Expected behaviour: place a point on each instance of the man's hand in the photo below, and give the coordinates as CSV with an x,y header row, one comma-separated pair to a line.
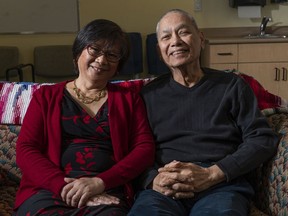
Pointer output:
x,y
78,191
181,180
163,183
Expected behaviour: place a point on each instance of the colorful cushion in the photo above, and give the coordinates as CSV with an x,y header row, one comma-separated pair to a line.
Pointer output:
x,y
14,100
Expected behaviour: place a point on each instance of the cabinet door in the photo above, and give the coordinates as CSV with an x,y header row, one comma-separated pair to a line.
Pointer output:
x,y
283,85
221,57
269,75
263,52
224,66
224,53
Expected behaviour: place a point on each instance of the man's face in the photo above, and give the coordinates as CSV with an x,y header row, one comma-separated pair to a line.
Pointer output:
x,y
179,40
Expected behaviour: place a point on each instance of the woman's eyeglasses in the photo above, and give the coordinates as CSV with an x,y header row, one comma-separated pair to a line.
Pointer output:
x,y
97,51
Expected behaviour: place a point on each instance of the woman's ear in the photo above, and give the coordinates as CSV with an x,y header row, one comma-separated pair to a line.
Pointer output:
x,y
75,63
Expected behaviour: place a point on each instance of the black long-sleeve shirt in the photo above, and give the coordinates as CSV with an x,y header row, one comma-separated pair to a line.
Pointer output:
x,y
217,121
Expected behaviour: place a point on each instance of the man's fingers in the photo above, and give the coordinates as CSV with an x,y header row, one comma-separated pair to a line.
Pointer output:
x,y
164,190
183,187
183,195
169,169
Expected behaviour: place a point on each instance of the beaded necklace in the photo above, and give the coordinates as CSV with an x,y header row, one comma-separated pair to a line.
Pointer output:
x,y
88,100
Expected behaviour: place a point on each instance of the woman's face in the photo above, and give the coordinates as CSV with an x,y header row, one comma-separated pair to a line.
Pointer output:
x,y
97,62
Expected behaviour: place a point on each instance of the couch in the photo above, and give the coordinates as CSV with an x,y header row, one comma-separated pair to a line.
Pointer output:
x,y
270,180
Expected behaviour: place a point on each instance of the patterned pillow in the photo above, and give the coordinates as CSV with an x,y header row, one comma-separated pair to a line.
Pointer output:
x,y
8,138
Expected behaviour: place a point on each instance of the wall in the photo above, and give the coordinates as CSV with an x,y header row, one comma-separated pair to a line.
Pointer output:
x,y
51,16
141,16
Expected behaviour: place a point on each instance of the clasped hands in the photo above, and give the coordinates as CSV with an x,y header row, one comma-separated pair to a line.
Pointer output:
x,y
86,191
181,180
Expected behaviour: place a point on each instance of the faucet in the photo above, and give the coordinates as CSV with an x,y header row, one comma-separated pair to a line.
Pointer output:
x,y
263,25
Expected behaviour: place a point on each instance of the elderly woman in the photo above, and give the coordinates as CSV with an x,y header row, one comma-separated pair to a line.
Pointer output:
x,y
83,141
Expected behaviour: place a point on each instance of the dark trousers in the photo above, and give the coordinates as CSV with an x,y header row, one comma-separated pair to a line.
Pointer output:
x,y
231,199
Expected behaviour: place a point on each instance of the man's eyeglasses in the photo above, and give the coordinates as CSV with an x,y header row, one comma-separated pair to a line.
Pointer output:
x,y
110,56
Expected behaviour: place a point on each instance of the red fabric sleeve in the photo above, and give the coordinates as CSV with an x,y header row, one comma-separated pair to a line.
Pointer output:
x,y
265,98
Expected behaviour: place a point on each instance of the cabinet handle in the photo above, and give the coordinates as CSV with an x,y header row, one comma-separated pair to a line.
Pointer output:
x,y
284,78
225,54
277,74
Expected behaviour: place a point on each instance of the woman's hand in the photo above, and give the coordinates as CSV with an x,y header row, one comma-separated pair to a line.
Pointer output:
x,y
103,199
78,191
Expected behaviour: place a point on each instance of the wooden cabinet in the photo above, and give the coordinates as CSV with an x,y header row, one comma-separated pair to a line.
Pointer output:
x,y
268,74
266,62
220,56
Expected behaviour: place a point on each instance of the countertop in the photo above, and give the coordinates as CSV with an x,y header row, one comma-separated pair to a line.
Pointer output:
x,y
237,35
241,40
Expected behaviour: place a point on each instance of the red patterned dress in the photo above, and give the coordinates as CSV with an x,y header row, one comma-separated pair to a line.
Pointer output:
x,y
86,151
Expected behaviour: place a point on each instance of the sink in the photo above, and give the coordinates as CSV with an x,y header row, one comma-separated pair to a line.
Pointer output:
x,y
265,36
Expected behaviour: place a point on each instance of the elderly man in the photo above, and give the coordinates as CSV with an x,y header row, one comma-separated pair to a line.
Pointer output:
x,y
208,129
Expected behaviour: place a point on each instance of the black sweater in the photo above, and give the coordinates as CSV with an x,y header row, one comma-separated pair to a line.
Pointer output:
x,y
217,121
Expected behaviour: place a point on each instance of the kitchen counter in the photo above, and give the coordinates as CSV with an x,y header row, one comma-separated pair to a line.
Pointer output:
x,y
239,40
237,35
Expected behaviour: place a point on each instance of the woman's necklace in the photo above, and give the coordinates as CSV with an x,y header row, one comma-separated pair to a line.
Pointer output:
x,y
88,100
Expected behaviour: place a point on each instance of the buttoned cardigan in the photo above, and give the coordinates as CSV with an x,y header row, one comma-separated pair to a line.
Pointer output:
x,y
38,146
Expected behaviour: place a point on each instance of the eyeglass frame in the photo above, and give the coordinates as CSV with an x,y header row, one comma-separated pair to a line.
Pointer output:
x,y
97,51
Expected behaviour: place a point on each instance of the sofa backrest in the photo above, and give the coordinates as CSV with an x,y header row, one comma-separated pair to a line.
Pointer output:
x,y
15,97
14,100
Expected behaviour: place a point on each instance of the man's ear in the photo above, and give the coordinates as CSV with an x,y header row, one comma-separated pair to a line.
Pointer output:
x,y
159,52
202,37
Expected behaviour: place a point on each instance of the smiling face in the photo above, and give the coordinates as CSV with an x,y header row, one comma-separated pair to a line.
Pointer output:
x,y
98,67
100,49
179,40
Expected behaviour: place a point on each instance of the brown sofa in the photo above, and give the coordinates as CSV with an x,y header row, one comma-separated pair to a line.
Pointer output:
x,y
270,180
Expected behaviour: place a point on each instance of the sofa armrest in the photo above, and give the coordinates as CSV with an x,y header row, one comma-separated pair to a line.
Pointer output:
x,y
8,189
8,138
254,211
272,186
3,178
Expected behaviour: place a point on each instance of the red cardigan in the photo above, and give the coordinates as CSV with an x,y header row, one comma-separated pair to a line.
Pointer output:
x,y
38,146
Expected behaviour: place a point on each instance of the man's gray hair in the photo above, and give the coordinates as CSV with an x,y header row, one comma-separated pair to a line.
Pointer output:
x,y
180,12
